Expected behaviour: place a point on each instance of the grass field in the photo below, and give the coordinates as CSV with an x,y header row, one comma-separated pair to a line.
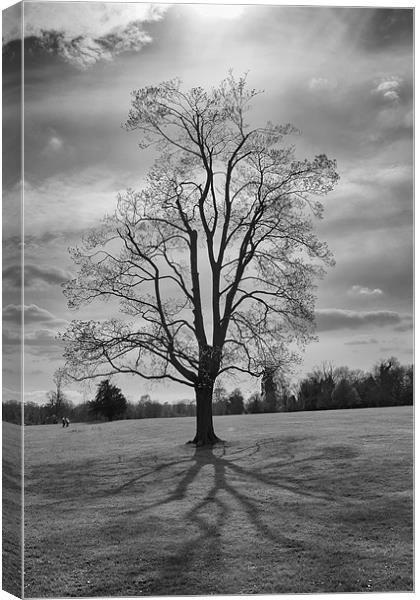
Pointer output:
x,y
295,502
12,508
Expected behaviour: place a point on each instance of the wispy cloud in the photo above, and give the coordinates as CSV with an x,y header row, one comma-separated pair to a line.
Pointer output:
x,y
381,198
80,200
36,342
36,396
11,394
322,84
41,338
34,275
361,342
405,325
32,314
40,396
54,144
39,334
359,290
335,319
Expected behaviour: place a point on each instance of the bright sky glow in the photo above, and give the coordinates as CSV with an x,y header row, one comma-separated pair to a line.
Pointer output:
x,y
218,11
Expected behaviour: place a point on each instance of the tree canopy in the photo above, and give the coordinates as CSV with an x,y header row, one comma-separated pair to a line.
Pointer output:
x,y
109,401
214,261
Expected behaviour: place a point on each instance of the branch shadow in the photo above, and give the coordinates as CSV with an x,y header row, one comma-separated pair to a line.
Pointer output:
x,y
138,478
214,510
176,522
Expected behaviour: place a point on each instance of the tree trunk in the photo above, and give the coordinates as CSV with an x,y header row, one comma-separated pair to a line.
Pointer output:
x,y
205,435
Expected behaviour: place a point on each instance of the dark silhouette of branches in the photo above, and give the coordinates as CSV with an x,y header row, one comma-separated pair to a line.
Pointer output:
x,y
213,263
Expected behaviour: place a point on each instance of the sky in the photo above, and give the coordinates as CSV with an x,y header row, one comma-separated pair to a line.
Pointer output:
x,y
343,76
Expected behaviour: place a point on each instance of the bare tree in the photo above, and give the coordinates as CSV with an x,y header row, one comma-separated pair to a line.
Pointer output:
x,y
56,399
214,261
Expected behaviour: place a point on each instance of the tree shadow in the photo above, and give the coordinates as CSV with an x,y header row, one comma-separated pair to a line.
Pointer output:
x,y
138,478
214,509
185,516
216,457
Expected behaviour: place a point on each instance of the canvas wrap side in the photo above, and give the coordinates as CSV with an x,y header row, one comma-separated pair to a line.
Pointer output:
x,y
12,248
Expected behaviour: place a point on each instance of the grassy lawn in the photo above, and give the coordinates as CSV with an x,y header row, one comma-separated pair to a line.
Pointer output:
x,y
12,508
296,502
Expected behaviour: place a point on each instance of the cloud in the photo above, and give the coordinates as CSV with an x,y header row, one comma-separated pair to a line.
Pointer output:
x,y
83,34
361,342
12,19
387,86
62,237
34,275
397,350
366,200
320,84
40,343
54,144
358,290
32,314
12,208
11,394
79,200
405,325
36,396
389,89
41,337
386,28
90,19
83,52
335,319
39,333
392,96
40,396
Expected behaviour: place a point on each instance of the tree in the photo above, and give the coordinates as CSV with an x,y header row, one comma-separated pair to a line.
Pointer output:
x,y
214,261
254,404
12,411
219,399
235,403
407,397
315,391
272,389
345,395
109,401
389,378
324,378
56,400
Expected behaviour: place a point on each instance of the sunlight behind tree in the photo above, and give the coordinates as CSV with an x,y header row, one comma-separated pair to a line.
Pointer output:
x,y
220,194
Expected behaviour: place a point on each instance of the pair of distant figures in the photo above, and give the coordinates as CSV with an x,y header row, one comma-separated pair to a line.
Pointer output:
x,y
65,421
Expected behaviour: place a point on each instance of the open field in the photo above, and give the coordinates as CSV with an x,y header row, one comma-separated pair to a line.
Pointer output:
x,y
12,508
293,502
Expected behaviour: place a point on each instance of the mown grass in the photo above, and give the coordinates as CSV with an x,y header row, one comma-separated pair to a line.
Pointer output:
x,y
297,502
12,508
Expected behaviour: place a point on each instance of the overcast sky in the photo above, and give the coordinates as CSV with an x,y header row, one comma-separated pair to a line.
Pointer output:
x,y
344,76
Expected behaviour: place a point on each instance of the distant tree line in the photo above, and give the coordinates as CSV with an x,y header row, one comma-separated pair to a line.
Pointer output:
x,y
389,384
325,388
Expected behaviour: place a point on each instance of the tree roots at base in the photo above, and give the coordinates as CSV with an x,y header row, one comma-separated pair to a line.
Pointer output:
x,y
207,440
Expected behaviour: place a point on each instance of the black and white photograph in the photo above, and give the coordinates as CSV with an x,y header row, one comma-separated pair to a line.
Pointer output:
x,y
207,299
